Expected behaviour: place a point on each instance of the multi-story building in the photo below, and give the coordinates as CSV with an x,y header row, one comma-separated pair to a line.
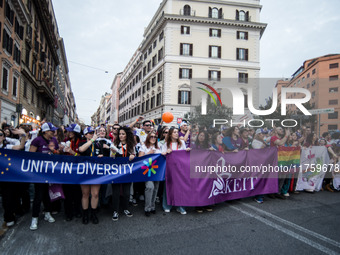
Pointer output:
x,y
104,109
130,90
321,77
211,40
61,80
115,98
70,105
39,61
13,19
94,120
107,109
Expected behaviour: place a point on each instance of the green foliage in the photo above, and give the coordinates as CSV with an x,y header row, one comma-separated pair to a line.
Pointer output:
x,y
213,112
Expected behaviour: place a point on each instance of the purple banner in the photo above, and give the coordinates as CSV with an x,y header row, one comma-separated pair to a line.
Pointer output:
x,y
211,188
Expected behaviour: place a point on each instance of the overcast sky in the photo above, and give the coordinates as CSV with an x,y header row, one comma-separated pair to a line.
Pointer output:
x,y
104,34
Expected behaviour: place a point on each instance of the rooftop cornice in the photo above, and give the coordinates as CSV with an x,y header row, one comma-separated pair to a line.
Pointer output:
x,y
22,11
203,20
228,3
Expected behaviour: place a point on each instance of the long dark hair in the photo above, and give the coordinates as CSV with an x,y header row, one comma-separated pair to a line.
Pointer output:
x,y
214,138
77,136
168,140
205,144
161,134
309,140
147,141
130,140
230,131
60,135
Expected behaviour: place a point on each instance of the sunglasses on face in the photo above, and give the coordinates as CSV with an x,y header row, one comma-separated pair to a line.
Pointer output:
x,y
147,125
1,134
166,132
115,128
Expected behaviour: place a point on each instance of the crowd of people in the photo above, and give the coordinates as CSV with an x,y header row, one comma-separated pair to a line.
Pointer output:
x,y
140,138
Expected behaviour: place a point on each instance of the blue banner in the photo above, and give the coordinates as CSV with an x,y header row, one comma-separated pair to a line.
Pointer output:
x,y
33,167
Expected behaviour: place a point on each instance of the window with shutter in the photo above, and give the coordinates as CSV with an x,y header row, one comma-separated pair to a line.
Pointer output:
x,y
10,46
185,30
214,13
214,75
187,10
4,78
242,77
242,16
215,51
214,32
186,49
4,40
14,86
184,97
220,15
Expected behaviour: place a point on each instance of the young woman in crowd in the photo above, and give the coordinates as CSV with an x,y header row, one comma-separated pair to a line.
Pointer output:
x,y
232,140
103,145
125,147
244,135
293,141
310,141
10,199
72,192
202,141
150,146
44,143
217,143
87,148
162,135
258,143
137,188
173,143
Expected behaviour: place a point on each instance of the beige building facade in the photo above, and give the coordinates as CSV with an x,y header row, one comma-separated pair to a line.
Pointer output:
x,y
115,98
321,77
190,40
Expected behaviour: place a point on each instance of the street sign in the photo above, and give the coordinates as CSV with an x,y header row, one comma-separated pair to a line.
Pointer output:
x,y
303,117
319,111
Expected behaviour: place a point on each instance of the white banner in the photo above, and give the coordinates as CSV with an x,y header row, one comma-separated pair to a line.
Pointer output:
x,y
336,176
314,163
